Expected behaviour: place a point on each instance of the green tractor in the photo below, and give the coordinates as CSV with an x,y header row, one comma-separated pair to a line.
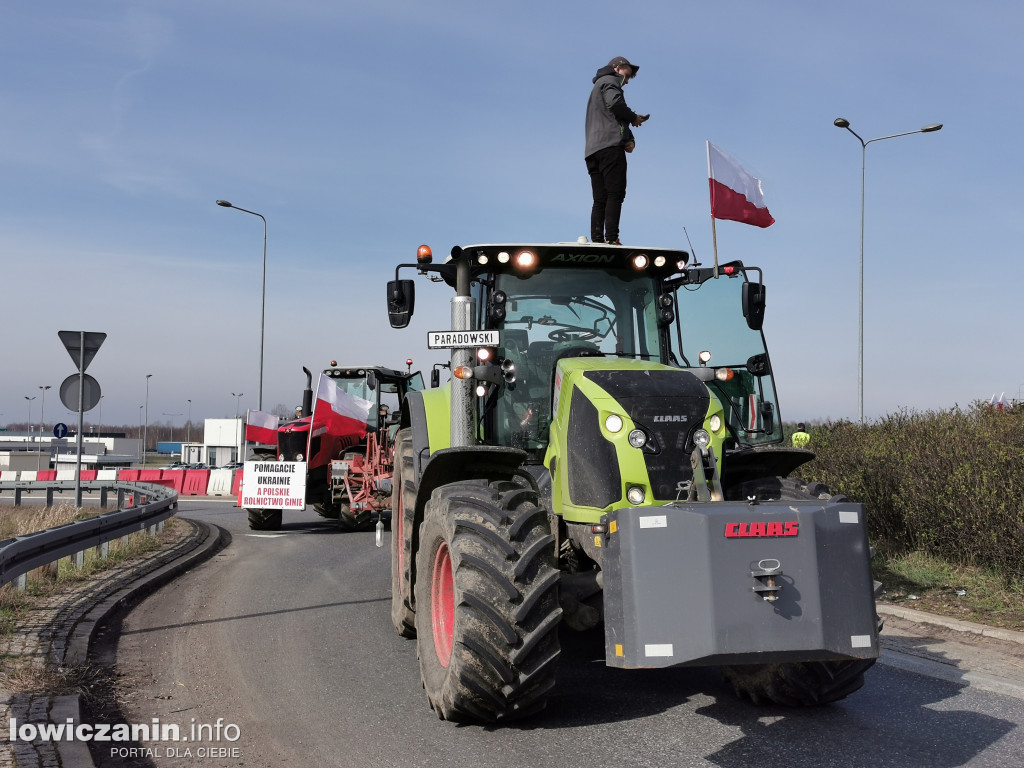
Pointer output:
x,y
609,451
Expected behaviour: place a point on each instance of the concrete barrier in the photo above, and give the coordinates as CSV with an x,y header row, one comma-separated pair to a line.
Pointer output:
x,y
128,475
65,474
176,477
106,474
28,475
45,475
8,476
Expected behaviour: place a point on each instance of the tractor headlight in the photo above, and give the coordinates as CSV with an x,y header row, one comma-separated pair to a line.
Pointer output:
x,y
299,457
715,422
613,423
701,438
635,495
637,438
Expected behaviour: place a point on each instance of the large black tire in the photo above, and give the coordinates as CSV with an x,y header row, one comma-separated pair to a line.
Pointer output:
x,y
264,519
326,510
801,684
487,611
403,507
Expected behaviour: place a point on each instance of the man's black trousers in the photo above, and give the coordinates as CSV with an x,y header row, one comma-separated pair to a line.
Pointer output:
x,y
607,169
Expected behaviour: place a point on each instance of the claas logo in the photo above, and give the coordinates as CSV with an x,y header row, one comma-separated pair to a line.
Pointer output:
x,y
761,530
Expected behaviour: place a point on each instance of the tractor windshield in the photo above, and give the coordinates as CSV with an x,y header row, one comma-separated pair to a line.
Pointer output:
x,y
711,319
558,313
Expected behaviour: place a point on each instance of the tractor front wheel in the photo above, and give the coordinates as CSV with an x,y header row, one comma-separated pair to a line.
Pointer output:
x,y
264,519
487,609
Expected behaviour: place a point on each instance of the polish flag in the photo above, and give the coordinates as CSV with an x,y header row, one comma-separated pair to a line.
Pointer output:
x,y
735,194
336,412
261,427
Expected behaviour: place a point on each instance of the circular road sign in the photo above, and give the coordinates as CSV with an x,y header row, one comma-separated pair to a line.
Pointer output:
x,y
60,430
69,392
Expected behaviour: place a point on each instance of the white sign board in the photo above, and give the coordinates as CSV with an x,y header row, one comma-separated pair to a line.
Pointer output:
x,y
462,339
274,485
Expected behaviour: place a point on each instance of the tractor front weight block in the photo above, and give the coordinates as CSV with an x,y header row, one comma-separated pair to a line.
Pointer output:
x,y
737,583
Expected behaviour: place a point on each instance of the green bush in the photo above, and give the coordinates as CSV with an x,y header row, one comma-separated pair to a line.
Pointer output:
x,y
949,483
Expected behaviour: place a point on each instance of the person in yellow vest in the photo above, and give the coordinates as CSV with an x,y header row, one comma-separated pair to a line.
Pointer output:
x,y
800,437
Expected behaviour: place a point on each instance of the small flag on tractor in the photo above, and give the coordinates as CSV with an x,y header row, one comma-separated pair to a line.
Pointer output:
x,y
261,428
735,194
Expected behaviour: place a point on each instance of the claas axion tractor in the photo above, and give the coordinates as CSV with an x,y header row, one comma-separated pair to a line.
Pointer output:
x,y
349,469
608,451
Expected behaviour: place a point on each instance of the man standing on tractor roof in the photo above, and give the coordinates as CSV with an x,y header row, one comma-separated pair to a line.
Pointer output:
x,y
608,140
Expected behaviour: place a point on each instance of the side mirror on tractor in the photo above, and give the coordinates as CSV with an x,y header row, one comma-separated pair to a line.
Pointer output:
x,y
435,379
753,305
401,300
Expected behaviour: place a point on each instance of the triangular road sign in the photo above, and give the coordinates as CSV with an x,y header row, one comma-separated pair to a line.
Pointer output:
x,y
72,341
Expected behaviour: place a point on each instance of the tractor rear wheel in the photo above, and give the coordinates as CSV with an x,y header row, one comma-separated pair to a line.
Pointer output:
x,y
403,507
487,611
352,521
801,684
264,519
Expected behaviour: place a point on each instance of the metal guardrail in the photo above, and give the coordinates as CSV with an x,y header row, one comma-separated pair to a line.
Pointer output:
x,y
21,554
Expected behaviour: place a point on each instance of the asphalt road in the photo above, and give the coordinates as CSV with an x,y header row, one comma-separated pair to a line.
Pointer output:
x,y
288,637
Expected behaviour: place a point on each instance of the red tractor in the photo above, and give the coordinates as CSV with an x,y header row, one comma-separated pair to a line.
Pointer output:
x,y
348,468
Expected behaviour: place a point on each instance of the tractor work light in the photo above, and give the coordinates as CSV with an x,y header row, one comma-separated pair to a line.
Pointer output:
x,y
613,423
715,422
640,261
635,495
508,371
424,255
481,258
701,438
704,357
659,261
503,257
463,372
483,354
481,390
526,260
637,438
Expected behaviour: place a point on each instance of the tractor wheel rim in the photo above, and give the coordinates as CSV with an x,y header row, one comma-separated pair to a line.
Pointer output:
x,y
442,602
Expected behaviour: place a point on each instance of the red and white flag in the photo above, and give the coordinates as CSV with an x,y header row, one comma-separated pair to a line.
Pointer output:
x,y
261,427
337,412
735,194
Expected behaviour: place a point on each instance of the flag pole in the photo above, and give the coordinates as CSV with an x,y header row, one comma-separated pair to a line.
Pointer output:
x,y
711,186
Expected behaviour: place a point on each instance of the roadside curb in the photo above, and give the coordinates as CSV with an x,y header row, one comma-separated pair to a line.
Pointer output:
x,y
967,627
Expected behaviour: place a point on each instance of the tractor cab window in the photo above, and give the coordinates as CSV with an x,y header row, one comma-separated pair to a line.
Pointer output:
x,y
559,313
711,320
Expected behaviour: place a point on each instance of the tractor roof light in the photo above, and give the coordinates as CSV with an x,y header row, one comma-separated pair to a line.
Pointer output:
x,y
659,261
424,255
526,260
481,258
464,372
640,261
503,257
704,356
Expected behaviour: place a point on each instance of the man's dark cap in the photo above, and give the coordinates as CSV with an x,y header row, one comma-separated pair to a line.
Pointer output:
x,y
800,426
619,60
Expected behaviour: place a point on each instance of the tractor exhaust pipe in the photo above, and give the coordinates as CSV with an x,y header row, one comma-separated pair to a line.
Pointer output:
x,y
307,394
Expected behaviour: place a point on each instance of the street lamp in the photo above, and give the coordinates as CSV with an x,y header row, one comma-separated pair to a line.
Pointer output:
x,y
28,424
188,434
140,433
842,122
238,399
145,434
42,421
263,294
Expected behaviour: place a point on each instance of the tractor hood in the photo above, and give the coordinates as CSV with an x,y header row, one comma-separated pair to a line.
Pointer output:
x,y
620,424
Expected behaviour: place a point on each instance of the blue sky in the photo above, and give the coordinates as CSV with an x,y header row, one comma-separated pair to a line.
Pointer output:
x,y
360,130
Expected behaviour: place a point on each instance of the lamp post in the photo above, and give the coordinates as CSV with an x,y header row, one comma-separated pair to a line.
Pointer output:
x,y
28,424
263,293
842,122
99,427
188,428
140,433
145,433
42,421
238,400
172,423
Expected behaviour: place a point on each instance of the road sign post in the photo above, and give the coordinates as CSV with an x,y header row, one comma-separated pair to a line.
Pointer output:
x,y
82,346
